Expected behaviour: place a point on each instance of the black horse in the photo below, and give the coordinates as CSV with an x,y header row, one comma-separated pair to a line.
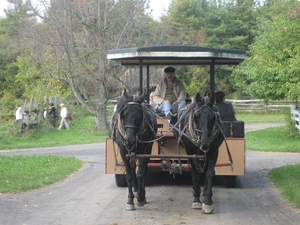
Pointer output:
x,y
134,128
199,132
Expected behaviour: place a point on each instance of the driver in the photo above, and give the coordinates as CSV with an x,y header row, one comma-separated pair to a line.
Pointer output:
x,y
169,91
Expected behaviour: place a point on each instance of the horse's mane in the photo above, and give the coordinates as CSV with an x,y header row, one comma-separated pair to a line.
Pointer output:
x,y
120,104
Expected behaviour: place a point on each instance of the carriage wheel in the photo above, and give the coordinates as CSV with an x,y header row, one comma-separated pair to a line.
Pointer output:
x,y
120,180
230,181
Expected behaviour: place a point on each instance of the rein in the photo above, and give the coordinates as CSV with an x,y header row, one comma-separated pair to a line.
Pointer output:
x,y
227,148
170,130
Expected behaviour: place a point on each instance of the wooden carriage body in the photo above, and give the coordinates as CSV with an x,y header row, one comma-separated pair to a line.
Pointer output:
x,y
166,155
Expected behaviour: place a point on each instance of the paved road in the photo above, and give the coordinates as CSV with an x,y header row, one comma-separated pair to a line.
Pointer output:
x,y
90,197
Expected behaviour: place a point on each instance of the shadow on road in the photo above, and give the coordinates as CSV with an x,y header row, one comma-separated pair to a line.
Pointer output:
x,y
164,178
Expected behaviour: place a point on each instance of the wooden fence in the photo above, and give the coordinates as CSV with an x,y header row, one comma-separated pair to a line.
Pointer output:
x,y
295,116
257,105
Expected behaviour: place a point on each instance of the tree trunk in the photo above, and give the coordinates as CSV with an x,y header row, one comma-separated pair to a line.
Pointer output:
x,y
102,118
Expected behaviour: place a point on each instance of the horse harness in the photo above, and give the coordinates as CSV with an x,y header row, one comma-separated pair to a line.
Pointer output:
x,y
192,132
120,127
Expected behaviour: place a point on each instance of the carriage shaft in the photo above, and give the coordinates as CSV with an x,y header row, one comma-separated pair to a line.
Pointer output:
x,y
161,156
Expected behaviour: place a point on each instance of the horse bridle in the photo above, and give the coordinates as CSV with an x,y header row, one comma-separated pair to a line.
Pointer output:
x,y
121,127
193,130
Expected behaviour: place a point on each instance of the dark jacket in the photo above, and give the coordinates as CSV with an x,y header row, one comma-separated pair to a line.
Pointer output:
x,y
52,112
226,111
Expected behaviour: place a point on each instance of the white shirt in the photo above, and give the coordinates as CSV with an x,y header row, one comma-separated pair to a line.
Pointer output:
x,y
19,113
63,112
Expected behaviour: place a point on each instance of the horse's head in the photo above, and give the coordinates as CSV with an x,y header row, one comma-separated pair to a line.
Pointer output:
x,y
130,118
204,122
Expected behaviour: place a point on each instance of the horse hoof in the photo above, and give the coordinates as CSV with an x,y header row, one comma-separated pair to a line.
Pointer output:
x,y
140,204
207,209
130,207
196,205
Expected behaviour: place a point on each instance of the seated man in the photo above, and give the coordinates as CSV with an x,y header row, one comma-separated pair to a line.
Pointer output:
x,y
225,109
169,91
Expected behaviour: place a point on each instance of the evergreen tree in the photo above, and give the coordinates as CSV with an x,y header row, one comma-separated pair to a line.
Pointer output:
x,y
10,42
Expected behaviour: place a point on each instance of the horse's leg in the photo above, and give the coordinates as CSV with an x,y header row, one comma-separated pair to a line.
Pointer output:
x,y
135,184
196,188
207,206
129,178
141,176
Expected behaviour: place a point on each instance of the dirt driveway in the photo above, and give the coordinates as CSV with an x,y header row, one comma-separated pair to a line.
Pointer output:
x,y
90,197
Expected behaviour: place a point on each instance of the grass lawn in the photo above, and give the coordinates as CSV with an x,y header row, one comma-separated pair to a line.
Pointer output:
x,y
261,118
83,131
21,173
287,180
274,139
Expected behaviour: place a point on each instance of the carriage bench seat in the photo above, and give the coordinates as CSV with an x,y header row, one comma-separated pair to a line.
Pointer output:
x,y
234,129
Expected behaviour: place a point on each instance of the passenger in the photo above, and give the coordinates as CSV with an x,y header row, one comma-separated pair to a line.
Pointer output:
x,y
207,93
168,92
151,102
225,109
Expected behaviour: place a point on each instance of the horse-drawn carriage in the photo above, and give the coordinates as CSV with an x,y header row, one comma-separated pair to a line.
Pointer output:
x,y
166,145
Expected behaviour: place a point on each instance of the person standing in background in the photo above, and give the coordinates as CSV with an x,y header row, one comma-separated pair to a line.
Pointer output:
x,y
19,113
63,115
52,114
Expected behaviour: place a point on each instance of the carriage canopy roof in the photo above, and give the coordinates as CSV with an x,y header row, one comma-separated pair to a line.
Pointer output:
x,y
176,55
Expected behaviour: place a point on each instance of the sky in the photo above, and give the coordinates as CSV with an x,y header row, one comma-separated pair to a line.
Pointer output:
x,y
156,5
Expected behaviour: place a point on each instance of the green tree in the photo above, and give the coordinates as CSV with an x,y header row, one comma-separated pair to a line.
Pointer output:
x,y
242,24
272,70
215,26
36,81
218,24
70,44
10,49
187,18
8,54
198,81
